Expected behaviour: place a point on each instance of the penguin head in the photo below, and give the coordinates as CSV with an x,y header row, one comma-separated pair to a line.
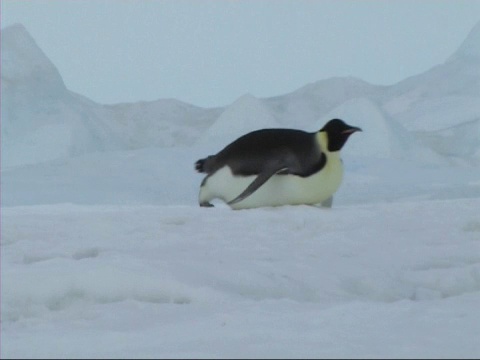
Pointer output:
x,y
337,133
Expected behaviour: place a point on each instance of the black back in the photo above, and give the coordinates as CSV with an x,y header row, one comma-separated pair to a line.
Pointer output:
x,y
294,151
280,151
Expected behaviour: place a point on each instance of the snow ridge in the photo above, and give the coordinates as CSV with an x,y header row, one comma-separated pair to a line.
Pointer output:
x,y
470,48
44,121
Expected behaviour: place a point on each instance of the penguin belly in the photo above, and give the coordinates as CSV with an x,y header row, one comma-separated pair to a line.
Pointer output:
x,y
277,191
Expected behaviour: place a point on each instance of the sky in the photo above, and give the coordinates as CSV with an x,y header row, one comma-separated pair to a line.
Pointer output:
x,y
209,53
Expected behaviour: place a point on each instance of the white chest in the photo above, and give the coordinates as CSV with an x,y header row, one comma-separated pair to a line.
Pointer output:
x,y
279,189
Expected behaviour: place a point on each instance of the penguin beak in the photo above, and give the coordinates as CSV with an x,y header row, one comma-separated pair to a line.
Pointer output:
x,y
351,130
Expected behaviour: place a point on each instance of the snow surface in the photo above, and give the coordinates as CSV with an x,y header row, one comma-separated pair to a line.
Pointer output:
x,y
105,252
374,280
109,255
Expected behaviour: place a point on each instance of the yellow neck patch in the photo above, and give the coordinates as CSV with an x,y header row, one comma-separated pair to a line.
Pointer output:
x,y
322,140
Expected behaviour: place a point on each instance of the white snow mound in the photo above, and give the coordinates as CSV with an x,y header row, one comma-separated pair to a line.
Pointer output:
x,y
246,114
382,137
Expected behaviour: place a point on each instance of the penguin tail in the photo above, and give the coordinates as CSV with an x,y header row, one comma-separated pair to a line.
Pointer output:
x,y
200,165
205,165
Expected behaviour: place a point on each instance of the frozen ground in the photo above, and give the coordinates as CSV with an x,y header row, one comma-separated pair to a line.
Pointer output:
x,y
393,270
105,252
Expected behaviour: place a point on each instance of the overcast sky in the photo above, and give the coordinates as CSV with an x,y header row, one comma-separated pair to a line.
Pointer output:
x,y
209,53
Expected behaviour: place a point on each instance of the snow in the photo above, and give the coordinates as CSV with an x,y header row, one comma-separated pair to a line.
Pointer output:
x,y
374,280
305,105
108,255
105,252
382,136
246,114
35,101
23,59
470,48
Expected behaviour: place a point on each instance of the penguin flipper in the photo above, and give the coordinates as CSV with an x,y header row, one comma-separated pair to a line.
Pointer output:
x,y
261,179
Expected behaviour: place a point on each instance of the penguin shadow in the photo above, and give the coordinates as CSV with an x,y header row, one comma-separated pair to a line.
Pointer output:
x,y
472,226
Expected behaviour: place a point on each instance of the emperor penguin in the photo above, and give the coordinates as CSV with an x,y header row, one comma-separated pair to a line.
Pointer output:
x,y
275,167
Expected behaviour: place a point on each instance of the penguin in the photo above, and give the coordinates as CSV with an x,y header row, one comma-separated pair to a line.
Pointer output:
x,y
275,167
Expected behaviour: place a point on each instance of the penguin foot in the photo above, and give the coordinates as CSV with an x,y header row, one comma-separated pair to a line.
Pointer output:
x,y
206,204
327,203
